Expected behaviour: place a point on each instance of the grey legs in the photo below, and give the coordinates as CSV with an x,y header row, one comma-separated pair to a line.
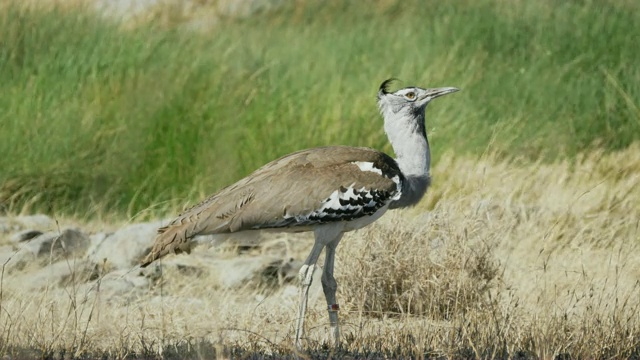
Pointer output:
x,y
330,239
329,287
305,276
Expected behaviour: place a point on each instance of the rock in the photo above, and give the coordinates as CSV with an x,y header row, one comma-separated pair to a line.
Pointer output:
x,y
180,266
235,272
9,256
227,273
95,241
25,235
244,240
5,225
69,242
281,271
119,283
124,248
35,222
116,287
56,274
14,258
26,222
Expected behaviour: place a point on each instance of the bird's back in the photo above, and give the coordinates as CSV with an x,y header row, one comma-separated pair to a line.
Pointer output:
x,y
295,192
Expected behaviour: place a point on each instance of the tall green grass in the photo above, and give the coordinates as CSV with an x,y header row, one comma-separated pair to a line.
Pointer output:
x,y
96,119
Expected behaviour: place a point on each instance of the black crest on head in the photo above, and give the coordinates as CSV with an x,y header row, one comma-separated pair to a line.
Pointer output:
x,y
384,87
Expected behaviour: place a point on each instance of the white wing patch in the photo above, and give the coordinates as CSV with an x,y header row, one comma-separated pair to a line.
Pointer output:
x,y
367,166
396,179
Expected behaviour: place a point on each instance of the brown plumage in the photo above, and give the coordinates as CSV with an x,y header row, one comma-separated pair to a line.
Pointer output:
x,y
284,194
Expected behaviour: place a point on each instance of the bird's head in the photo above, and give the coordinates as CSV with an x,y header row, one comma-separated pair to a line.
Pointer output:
x,y
409,100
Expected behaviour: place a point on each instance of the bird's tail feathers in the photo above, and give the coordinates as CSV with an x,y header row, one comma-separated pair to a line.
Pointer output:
x,y
171,239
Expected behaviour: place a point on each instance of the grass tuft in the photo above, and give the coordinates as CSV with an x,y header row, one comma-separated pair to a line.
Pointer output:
x,y
412,272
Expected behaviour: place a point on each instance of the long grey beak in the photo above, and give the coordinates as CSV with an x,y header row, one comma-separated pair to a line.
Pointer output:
x,y
436,92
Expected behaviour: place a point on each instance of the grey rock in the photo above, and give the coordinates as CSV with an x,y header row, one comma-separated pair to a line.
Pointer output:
x,y
227,272
120,283
35,222
69,242
25,235
56,274
281,271
124,248
95,241
9,256
14,258
243,239
6,225
118,287
235,272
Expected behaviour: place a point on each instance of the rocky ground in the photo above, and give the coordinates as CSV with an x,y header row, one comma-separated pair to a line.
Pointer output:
x,y
37,253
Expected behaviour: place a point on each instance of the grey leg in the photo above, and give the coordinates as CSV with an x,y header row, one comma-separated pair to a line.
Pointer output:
x,y
305,276
329,286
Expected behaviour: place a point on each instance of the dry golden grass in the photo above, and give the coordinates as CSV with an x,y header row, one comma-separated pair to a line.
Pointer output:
x,y
501,260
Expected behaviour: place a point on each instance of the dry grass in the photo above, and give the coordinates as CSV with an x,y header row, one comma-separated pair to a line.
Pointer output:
x,y
502,260
539,258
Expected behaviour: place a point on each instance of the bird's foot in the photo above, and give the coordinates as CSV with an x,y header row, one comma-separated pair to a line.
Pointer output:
x,y
334,331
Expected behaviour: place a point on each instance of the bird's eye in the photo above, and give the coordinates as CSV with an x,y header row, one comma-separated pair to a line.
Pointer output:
x,y
410,95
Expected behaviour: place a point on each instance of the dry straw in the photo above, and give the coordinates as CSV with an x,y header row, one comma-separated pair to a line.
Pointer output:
x,y
500,260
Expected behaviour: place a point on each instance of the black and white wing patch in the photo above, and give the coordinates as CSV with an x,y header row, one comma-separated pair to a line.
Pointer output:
x,y
348,203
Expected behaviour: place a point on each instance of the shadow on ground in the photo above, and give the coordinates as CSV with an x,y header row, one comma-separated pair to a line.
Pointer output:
x,y
198,349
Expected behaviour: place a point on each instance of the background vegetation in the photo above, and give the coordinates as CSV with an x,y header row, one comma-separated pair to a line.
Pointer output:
x,y
96,118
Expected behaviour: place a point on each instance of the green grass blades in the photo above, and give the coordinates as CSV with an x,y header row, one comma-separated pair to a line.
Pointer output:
x,y
95,118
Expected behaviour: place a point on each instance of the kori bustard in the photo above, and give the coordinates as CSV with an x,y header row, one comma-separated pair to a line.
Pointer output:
x,y
327,190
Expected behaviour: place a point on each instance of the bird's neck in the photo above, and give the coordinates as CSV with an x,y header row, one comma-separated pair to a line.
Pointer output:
x,y
409,141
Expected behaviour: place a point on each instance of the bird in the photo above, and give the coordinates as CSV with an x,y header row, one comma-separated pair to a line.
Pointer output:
x,y
327,190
